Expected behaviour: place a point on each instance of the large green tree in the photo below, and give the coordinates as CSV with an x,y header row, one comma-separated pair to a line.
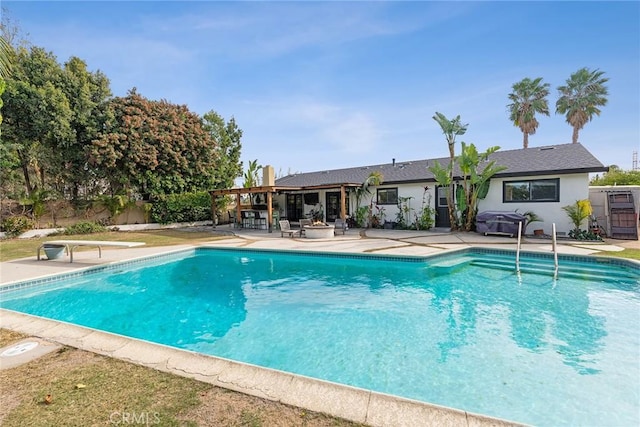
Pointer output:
x,y
581,97
451,129
154,147
88,93
227,136
529,97
37,118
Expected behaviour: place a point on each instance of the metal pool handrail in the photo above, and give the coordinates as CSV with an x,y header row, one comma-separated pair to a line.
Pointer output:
x,y
518,247
555,250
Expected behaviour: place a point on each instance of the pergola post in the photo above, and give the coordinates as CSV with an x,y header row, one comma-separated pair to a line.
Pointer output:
x,y
343,204
269,212
238,211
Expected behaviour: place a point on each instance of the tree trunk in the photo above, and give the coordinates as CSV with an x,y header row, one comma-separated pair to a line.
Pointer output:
x,y
452,206
25,171
525,140
574,137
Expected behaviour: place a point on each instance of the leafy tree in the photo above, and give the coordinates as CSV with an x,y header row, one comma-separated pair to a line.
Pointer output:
x,y
450,129
528,98
36,117
153,147
227,136
87,93
580,98
617,176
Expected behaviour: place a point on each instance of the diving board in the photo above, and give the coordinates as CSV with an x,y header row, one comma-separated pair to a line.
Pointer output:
x,y
70,245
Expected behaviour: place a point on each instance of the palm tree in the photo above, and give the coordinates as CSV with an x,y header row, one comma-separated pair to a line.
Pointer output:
x,y
580,98
528,98
6,58
451,129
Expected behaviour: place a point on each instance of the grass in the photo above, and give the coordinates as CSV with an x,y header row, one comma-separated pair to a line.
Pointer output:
x,y
22,248
627,253
114,392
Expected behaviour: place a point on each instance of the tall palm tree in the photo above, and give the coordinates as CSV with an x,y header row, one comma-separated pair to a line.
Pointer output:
x,y
580,98
528,98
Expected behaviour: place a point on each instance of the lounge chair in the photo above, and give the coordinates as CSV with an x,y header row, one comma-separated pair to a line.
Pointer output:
x,y
285,227
340,225
304,222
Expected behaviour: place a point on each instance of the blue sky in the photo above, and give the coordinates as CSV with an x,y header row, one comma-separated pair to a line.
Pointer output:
x,y
325,85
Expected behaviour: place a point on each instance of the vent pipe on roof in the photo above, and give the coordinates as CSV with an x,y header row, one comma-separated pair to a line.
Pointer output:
x,y
393,162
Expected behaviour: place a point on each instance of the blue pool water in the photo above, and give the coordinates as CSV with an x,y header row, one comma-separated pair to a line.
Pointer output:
x,y
462,331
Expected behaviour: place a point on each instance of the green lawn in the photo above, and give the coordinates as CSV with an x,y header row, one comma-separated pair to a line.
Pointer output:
x,y
627,253
21,248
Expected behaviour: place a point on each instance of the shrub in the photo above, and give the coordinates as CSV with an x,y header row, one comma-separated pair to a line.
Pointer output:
x,y
426,220
85,227
16,225
578,212
584,235
185,207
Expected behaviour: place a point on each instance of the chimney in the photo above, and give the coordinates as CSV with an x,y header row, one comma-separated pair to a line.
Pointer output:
x,y
393,161
268,176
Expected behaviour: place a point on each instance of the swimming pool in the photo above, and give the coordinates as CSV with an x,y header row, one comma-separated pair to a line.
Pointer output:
x,y
459,330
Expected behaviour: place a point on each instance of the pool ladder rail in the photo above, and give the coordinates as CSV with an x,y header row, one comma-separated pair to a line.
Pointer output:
x,y
554,247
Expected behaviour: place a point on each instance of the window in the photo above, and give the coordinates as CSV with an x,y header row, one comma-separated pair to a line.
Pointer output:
x,y
387,196
541,190
311,198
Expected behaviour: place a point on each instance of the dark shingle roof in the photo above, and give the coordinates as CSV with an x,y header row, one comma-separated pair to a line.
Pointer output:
x,y
549,160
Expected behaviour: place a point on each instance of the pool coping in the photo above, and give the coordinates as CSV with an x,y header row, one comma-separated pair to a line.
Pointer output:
x,y
351,403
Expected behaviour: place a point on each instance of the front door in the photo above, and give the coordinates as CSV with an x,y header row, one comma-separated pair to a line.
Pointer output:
x,y
294,207
442,210
333,206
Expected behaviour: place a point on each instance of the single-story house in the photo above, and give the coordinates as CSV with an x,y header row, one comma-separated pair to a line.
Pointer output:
x,y
538,179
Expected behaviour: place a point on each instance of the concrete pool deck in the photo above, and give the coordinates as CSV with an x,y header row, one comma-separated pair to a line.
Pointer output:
x,y
351,403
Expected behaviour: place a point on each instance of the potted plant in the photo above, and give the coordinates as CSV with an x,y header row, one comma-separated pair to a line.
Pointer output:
x,y
53,251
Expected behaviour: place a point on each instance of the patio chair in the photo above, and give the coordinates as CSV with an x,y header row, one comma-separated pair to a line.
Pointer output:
x,y
340,226
304,222
285,227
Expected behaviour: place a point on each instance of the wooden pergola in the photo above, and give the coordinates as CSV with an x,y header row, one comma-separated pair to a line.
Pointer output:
x,y
275,189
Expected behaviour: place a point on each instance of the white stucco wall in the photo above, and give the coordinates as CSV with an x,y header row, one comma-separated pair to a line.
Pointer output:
x,y
572,187
415,191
